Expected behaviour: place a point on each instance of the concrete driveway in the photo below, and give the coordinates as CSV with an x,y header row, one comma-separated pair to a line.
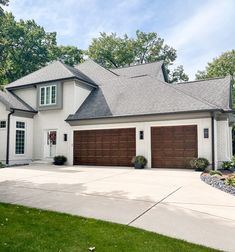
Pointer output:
x,y
172,202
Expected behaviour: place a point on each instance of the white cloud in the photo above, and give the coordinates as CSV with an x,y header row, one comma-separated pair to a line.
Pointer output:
x,y
204,35
199,35
208,20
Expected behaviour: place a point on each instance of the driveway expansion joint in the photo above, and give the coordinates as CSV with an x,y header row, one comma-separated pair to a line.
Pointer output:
x,y
147,210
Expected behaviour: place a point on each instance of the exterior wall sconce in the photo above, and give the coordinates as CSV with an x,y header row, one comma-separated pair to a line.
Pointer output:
x,y
65,137
206,133
141,135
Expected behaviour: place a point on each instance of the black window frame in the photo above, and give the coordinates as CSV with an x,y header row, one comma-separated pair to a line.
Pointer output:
x,y
3,124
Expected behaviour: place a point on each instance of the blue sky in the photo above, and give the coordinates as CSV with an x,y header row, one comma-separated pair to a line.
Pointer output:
x,y
199,29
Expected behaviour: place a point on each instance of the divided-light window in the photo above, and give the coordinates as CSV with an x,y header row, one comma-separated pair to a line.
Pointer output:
x,y
48,95
3,124
20,138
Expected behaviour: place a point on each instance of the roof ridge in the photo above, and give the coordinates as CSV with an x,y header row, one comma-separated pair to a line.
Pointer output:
x,y
66,66
185,93
109,70
209,79
140,64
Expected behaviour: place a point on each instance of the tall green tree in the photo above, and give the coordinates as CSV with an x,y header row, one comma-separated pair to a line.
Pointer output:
x,y
113,51
5,3
70,55
25,47
149,47
221,66
178,75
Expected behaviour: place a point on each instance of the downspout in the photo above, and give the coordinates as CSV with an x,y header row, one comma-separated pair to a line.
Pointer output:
x,y
8,135
213,140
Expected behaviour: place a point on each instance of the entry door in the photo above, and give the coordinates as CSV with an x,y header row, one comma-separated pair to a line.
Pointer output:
x,y
50,145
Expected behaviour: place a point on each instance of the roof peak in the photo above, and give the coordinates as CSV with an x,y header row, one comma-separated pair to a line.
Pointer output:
x,y
139,64
53,71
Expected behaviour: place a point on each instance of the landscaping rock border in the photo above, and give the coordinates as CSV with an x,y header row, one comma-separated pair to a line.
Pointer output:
x,y
216,182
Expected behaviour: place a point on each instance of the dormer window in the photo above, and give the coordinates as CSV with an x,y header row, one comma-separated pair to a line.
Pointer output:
x,y
48,95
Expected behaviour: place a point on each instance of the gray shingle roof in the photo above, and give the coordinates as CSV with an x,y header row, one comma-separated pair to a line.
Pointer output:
x,y
96,72
54,71
147,95
214,91
151,69
13,102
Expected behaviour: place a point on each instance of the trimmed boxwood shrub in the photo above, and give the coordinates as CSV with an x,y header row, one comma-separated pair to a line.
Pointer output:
x,y
59,160
139,162
2,165
199,164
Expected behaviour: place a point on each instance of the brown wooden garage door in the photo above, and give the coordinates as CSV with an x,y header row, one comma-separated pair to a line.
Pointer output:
x,y
174,146
104,147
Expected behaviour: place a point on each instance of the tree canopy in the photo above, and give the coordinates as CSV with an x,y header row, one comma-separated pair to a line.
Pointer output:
x,y
4,3
25,47
70,55
219,67
113,51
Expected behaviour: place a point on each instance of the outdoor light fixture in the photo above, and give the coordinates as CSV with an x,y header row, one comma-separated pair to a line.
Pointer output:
x,y
206,133
141,135
65,137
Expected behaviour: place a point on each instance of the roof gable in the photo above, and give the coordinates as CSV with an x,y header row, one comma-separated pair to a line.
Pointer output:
x,y
96,72
13,102
54,71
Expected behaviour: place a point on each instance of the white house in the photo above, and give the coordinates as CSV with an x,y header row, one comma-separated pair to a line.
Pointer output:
x,y
96,116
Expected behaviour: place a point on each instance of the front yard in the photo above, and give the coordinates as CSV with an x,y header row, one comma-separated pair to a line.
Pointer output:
x,y
26,229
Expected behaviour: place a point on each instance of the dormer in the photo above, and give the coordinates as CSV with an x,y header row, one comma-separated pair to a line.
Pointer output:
x,y
43,89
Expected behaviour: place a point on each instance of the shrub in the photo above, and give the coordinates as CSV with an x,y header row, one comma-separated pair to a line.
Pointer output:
x,y
59,160
212,172
226,165
230,180
2,165
139,161
199,164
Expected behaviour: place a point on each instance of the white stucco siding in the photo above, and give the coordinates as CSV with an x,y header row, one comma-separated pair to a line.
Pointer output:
x,y
81,92
3,133
28,149
28,95
73,96
143,147
224,141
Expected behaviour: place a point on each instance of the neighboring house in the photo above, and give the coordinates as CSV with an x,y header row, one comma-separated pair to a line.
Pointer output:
x,y
96,116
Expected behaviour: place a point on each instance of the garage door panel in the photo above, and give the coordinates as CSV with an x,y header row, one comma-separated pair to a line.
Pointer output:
x,y
173,146
105,147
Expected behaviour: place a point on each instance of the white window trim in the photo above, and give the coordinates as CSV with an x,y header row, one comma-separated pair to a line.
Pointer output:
x,y
23,129
50,98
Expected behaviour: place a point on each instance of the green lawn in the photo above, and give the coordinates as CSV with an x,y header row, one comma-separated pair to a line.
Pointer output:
x,y
26,229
